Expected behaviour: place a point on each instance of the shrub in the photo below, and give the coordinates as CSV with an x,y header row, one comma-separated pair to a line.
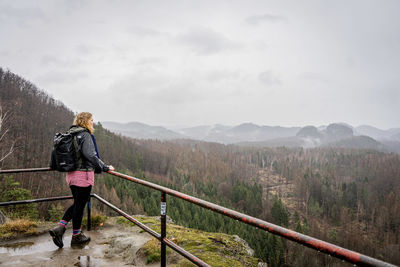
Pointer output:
x,y
19,226
10,190
96,220
55,212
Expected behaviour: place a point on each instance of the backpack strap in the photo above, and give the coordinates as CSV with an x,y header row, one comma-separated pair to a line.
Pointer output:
x,y
77,152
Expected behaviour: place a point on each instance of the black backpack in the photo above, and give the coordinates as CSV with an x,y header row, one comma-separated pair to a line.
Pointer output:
x,y
65,156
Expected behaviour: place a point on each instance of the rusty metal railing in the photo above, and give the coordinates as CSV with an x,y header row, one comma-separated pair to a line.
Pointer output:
x,y
319,245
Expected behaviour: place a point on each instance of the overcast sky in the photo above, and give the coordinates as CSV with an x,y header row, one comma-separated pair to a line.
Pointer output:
x,y
288,63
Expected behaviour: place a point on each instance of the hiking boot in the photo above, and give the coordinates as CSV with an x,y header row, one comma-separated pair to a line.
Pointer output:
x,y
79,239
57,235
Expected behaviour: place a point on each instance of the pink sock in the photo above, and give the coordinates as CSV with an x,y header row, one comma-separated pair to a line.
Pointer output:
x,y
63,223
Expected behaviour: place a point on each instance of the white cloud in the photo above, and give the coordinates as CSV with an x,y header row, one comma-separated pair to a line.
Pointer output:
x,y
62,77
258,19
144,32
269,78
206,41
20,15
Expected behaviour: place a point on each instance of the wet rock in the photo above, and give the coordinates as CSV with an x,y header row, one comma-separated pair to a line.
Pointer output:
x,y
113,245
3,218
249,250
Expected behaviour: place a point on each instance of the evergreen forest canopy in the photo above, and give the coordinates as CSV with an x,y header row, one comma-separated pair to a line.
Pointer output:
x,y
349,197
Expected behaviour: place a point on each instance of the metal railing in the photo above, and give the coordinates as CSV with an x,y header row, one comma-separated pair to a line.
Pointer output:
x,y
319,245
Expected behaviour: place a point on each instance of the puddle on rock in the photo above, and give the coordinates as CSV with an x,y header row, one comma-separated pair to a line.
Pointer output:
x,y
27,247
17,248
88,261
18,245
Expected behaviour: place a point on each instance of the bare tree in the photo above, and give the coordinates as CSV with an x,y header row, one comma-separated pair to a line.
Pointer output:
x,y
6,148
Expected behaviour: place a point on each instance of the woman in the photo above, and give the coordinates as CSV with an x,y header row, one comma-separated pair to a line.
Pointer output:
x,y
81,180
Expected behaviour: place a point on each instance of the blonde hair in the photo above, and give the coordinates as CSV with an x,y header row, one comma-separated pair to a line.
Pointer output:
x,y
82,119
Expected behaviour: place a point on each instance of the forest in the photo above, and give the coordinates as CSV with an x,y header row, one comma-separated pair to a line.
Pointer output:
x,y
349,197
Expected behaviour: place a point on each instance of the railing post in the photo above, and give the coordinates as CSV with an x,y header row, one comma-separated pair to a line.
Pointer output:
x,y
89,223
163,228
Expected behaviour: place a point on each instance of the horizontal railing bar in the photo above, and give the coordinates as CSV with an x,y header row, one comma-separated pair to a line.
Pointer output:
x,y
322,246
28,201
169,243
26,170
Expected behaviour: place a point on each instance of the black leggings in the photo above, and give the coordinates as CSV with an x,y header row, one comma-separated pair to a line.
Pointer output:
x,y
75,212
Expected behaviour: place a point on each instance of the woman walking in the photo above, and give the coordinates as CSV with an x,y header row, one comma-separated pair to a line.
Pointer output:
x,y
81,180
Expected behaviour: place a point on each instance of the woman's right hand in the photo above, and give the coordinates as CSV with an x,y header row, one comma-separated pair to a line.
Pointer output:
x,y
111,168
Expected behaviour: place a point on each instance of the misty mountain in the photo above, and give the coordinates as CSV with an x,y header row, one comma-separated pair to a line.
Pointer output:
x,y
337,132
358,142
334,135
309,132
378,134
213,133
216,133
396,137
141,131
250,134
240,133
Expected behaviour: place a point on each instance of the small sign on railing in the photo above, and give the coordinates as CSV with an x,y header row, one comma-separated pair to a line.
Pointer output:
x,y
163,208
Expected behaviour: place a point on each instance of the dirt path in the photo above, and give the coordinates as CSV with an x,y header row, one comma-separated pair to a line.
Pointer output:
x,y
111,245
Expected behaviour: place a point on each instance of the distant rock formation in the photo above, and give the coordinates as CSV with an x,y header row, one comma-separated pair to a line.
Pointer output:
x,y
141,131
309,131
336,132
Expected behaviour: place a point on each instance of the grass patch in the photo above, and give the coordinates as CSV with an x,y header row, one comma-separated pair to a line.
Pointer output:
x,y
152,250
216,249
96,220
17,227
145,220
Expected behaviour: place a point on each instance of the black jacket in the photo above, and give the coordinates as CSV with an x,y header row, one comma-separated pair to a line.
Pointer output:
x,y
89,159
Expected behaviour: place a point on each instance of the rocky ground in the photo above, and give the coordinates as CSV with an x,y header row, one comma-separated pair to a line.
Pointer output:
x,y
111,245
119,243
